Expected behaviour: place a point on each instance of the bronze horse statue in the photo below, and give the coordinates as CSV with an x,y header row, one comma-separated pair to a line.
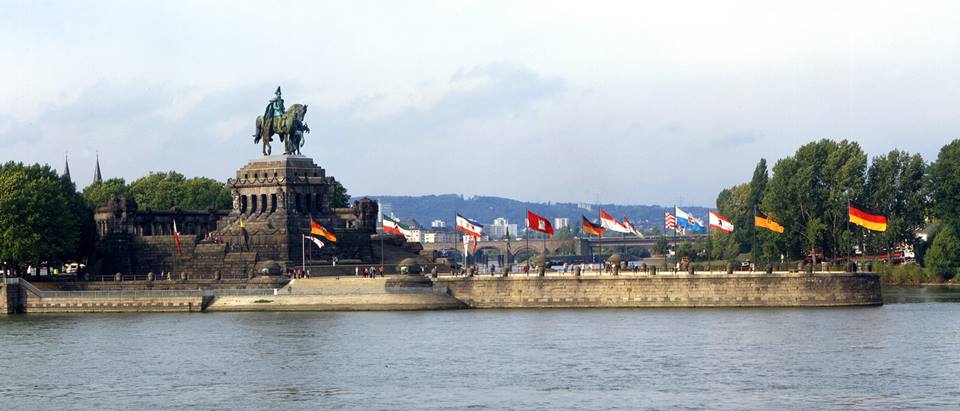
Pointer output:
x,y
290,127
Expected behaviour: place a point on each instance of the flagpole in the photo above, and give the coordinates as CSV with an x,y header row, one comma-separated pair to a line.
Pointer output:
x,y
526,236
676,228
544,250
753,247
303,252
600,237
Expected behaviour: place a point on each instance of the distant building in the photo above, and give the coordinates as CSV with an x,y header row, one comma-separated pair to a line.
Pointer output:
x,y
500,229
437,224
441,235
584,206
414,231
560,222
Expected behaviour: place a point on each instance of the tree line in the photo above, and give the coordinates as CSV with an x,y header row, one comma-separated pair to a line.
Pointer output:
x,y
45,221
808,193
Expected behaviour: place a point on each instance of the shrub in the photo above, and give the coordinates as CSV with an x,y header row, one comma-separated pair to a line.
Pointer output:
x,y
943,258
904,274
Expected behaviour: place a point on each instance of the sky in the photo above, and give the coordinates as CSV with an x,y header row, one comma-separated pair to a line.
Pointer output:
x,y
615,102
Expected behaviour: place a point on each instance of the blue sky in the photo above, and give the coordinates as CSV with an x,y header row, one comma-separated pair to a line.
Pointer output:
x,y
622,102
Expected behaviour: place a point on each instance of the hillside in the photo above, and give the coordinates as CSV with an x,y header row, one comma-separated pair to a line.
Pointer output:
x,y
484,209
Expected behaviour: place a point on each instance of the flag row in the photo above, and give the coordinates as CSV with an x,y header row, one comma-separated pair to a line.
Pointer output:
x,y
682,222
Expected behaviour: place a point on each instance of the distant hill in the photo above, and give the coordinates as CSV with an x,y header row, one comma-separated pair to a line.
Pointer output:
x,y
425,209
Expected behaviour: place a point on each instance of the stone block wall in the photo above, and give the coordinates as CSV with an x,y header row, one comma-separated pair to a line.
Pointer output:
x,y
4,304
737,290
35,304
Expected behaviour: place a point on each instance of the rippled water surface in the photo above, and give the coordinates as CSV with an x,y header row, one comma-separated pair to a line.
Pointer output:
x,y
905,354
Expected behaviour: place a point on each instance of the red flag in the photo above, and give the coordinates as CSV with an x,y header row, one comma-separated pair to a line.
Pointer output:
x,y
537,223
176,238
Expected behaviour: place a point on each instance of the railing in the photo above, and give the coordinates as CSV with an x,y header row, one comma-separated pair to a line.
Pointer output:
x,y
30,287
227,292
223,292
362,290
119,293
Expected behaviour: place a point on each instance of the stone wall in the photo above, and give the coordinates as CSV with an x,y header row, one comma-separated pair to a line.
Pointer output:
x,y
345,294
4,304
24,297
737,290
125,304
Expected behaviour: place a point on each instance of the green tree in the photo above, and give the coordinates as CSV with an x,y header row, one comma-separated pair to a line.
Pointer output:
x,y
159,190
202,193
564,233
943,257
100,192
758,187
808,194
661,247
732,203
945,184
40,216
166,190
896,187
339,197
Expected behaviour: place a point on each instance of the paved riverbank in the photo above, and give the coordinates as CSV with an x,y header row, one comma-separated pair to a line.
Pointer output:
x,y
668,290
405,292
345,294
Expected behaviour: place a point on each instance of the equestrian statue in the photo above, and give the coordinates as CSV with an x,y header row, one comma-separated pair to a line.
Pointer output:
x,y
288,124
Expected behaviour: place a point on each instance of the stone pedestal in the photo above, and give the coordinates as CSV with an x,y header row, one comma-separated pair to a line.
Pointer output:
x,y
274,199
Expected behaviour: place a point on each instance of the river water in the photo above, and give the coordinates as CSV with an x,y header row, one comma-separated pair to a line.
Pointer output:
x,y
905,354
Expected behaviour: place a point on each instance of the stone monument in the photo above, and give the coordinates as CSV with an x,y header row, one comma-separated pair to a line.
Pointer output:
x,y
274,200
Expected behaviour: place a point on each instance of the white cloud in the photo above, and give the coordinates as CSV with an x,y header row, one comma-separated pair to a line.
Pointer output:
x,y
159,85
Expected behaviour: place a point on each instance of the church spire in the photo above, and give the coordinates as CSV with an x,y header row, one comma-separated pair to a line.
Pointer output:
x,y
96,173
66,166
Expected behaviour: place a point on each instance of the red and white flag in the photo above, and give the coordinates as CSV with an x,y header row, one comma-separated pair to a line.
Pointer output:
x,y
633,229
314,240
471,227
669,221
176,238
607,221
719,222
538,223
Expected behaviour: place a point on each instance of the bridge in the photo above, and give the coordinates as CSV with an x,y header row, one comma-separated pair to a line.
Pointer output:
x,y
520,249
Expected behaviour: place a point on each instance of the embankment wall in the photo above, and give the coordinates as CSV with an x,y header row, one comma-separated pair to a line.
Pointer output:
x,y
120,304
683,290
4,303
345,294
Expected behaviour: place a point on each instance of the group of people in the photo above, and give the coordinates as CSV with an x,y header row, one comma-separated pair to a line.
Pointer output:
x,y
298,273
368,272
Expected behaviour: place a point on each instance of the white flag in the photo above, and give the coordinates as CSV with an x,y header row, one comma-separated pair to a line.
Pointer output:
x,y
315,240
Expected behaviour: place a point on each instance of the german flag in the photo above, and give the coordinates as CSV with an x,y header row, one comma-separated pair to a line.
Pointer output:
x,y
761,220
591,228
317,229
867,218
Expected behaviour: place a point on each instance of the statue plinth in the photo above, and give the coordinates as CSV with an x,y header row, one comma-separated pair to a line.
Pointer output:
x,y
275,198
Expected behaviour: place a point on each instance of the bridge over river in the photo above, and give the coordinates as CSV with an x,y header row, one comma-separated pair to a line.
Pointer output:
x,y
586,247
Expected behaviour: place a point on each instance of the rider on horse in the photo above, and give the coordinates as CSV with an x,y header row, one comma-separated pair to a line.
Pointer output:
x,y
275,106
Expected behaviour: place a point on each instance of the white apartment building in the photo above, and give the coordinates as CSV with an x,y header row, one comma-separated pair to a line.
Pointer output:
x,y
561,222
500,228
